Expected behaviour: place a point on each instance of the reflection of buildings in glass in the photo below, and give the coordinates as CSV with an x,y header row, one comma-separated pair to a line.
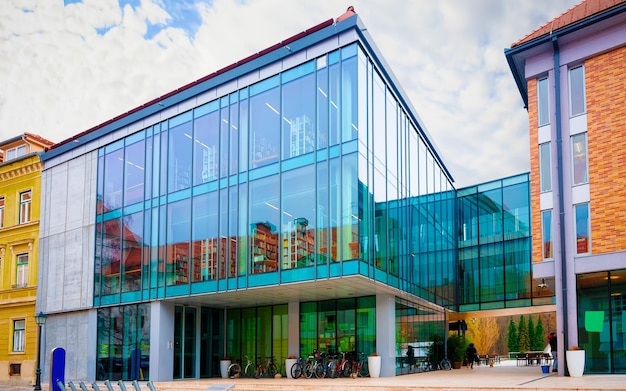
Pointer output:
x,y
264,152
209,164
301,136
298,244
264,248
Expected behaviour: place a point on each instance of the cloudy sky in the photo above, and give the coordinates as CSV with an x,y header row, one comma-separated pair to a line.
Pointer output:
x,y
68,66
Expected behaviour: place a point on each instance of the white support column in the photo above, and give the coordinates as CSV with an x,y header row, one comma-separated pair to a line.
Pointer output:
x,y
161,341
293,320
386,333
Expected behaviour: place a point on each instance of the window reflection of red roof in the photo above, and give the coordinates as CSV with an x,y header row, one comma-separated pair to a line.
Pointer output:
x,y
579,12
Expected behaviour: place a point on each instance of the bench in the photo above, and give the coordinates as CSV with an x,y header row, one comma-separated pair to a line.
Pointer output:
x,y
533,358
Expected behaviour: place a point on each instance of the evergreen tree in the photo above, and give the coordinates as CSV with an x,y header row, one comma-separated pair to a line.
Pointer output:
x,y
540,338
530,326
513,341
522,330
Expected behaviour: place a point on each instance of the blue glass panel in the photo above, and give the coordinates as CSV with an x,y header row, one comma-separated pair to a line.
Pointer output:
x,y
299,71
233,98
322,155
265,85
114,146
206,109
135,137
349,51
350,268
263,171
333,57
223,183
298,112
203,287
334,151
114,214
133,208
322,271
179,195
232,180
181,119
100,152
224,101
110,299
206,147
335,270
177,290
243,177
349,147
131,297
299,161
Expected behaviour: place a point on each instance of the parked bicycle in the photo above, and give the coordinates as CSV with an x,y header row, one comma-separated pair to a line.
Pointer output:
x,y
268,368
358,366
302,368
236,370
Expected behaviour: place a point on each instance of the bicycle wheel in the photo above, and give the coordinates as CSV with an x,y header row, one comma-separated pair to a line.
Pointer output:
x,y
320,371
258,372
309,369
363,371
345,369
234,370
296,370
445,364
271,370
332,370
249,370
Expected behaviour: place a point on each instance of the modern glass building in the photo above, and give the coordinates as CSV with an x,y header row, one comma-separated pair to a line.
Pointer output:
x,y
289,202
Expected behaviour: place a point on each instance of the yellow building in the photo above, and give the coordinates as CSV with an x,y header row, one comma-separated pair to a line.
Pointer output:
x,y
20,190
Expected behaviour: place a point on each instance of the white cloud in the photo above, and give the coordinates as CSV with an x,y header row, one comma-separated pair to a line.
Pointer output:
x,y
59,77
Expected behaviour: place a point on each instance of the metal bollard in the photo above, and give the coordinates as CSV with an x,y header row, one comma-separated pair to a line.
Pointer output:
x,y
151,386
60,385
108,384
83,387
136,385
69,383
121,384
95,387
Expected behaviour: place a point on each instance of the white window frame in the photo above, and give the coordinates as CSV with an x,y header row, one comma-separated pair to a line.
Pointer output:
x,y
543,101
25,206
585,180
588,229
1,212
545,184
19,335
583,91
21,271
16,152
545,220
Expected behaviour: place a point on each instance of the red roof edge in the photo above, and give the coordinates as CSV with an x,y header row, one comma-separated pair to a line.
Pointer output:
x,y
291,39
579,12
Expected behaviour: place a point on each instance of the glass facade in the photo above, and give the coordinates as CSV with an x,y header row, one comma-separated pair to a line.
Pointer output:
x,y
601,320
314,173
495,240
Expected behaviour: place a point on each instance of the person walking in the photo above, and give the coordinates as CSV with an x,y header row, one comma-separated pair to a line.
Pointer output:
x,y
553,346
471,354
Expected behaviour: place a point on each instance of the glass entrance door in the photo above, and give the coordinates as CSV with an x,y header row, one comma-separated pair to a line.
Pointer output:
x,y
185,343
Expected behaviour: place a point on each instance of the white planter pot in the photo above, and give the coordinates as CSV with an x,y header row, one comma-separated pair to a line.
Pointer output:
x,y
224,364
288,364
575,362
373,364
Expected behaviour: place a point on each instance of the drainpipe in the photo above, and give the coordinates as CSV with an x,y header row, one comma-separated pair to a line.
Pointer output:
x,y
559,156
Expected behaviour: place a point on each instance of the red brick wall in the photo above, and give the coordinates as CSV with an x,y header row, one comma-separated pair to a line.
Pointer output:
x,y
606,119
534,170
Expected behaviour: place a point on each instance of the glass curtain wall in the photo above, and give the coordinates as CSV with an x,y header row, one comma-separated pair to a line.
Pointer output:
x,y
344,325
256,334
601,320
417,327
494,239
189,209
124,343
